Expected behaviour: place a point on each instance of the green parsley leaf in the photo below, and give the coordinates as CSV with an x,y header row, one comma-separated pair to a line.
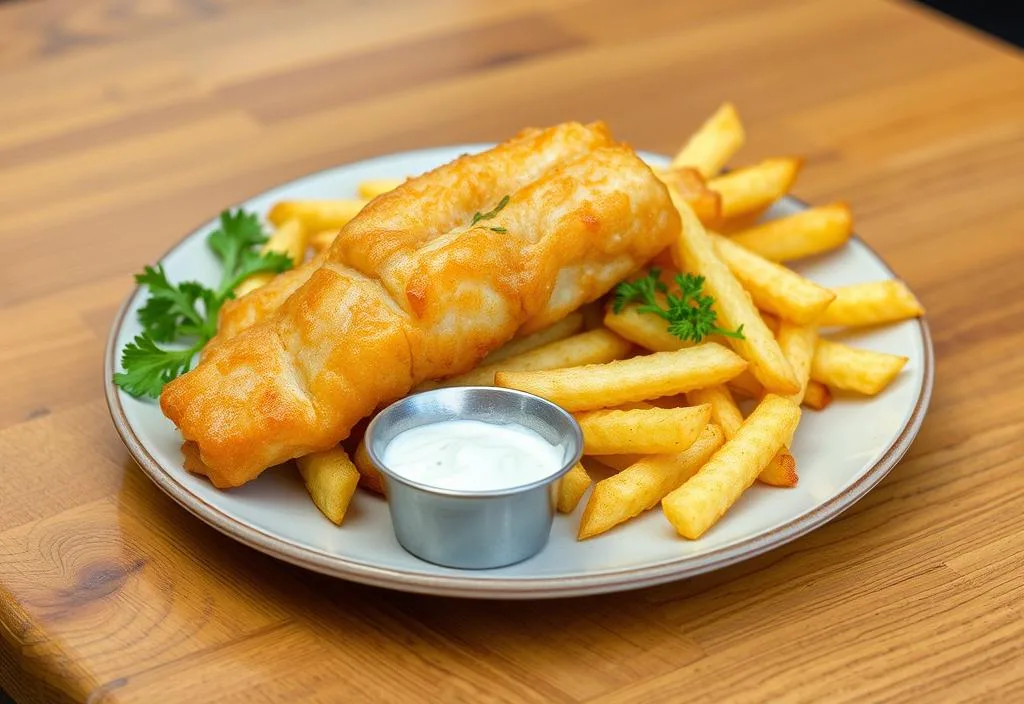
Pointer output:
x,y
148,367
644,289
690,313
239,231
171,310
252,262
187,311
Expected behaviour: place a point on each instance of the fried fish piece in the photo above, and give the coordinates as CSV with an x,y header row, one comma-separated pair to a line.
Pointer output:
x,y
418,286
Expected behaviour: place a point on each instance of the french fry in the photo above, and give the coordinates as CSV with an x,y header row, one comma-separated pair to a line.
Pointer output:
x,y
375,187
648,331
817,397
798,344
641,431
593,314
319,241
700,502
840,366
714,142
773,287
316,215
804,234
640,486
617,462
746,386
591,347
288,239
571,488
569,325
696,250
370,477
752,189
663,259
637,379
331,480
781,471
691,187
872,304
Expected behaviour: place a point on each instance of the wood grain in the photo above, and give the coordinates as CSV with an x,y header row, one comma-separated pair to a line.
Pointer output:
x,y
127,122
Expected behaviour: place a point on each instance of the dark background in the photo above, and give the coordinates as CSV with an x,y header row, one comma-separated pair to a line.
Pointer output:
x,y
1000,18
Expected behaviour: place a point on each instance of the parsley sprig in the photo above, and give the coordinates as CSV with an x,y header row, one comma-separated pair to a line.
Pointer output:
x,y
690,313
490,215
186,312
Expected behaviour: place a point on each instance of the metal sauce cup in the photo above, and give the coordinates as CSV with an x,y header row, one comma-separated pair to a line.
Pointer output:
x,y
474,529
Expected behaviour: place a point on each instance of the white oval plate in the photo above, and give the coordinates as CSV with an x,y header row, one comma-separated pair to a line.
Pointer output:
x,y
841,454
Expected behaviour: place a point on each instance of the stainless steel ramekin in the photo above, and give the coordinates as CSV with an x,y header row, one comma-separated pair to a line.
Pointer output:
x,y
474,529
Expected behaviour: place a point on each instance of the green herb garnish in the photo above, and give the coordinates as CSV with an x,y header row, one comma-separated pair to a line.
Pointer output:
x,y
187,312
490,214
689,313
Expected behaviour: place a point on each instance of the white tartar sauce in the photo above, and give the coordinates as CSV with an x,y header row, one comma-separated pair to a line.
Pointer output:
x,y
471,455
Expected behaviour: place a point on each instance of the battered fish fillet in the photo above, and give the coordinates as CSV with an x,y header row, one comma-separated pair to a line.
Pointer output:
x,y
412,290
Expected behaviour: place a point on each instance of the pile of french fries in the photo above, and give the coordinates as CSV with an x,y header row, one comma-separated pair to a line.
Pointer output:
x,y
659,412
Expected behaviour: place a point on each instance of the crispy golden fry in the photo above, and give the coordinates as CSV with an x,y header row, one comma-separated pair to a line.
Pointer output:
x,y
648,331
798,344
691,187
647,431
781,471
331,480
840,366
617,462
723,409
730,226
704,498
817,397
290,239
591,347
316,215
696,250
649,376
773,287
569,325
370,477
375,187
805,234
631,406
319,241
571,488
641,485
753,189
872,304
714,142
746,386
593,315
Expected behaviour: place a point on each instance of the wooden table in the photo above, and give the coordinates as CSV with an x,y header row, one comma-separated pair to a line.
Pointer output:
x,y
123,124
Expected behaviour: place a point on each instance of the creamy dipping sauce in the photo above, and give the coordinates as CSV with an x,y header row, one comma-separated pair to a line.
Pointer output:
x,y
471,455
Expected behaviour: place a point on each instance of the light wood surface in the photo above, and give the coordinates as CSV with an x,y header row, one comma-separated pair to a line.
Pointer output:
x,y
125,123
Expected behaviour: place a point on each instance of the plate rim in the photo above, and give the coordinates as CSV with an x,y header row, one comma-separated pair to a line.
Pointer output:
x,y
467,585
